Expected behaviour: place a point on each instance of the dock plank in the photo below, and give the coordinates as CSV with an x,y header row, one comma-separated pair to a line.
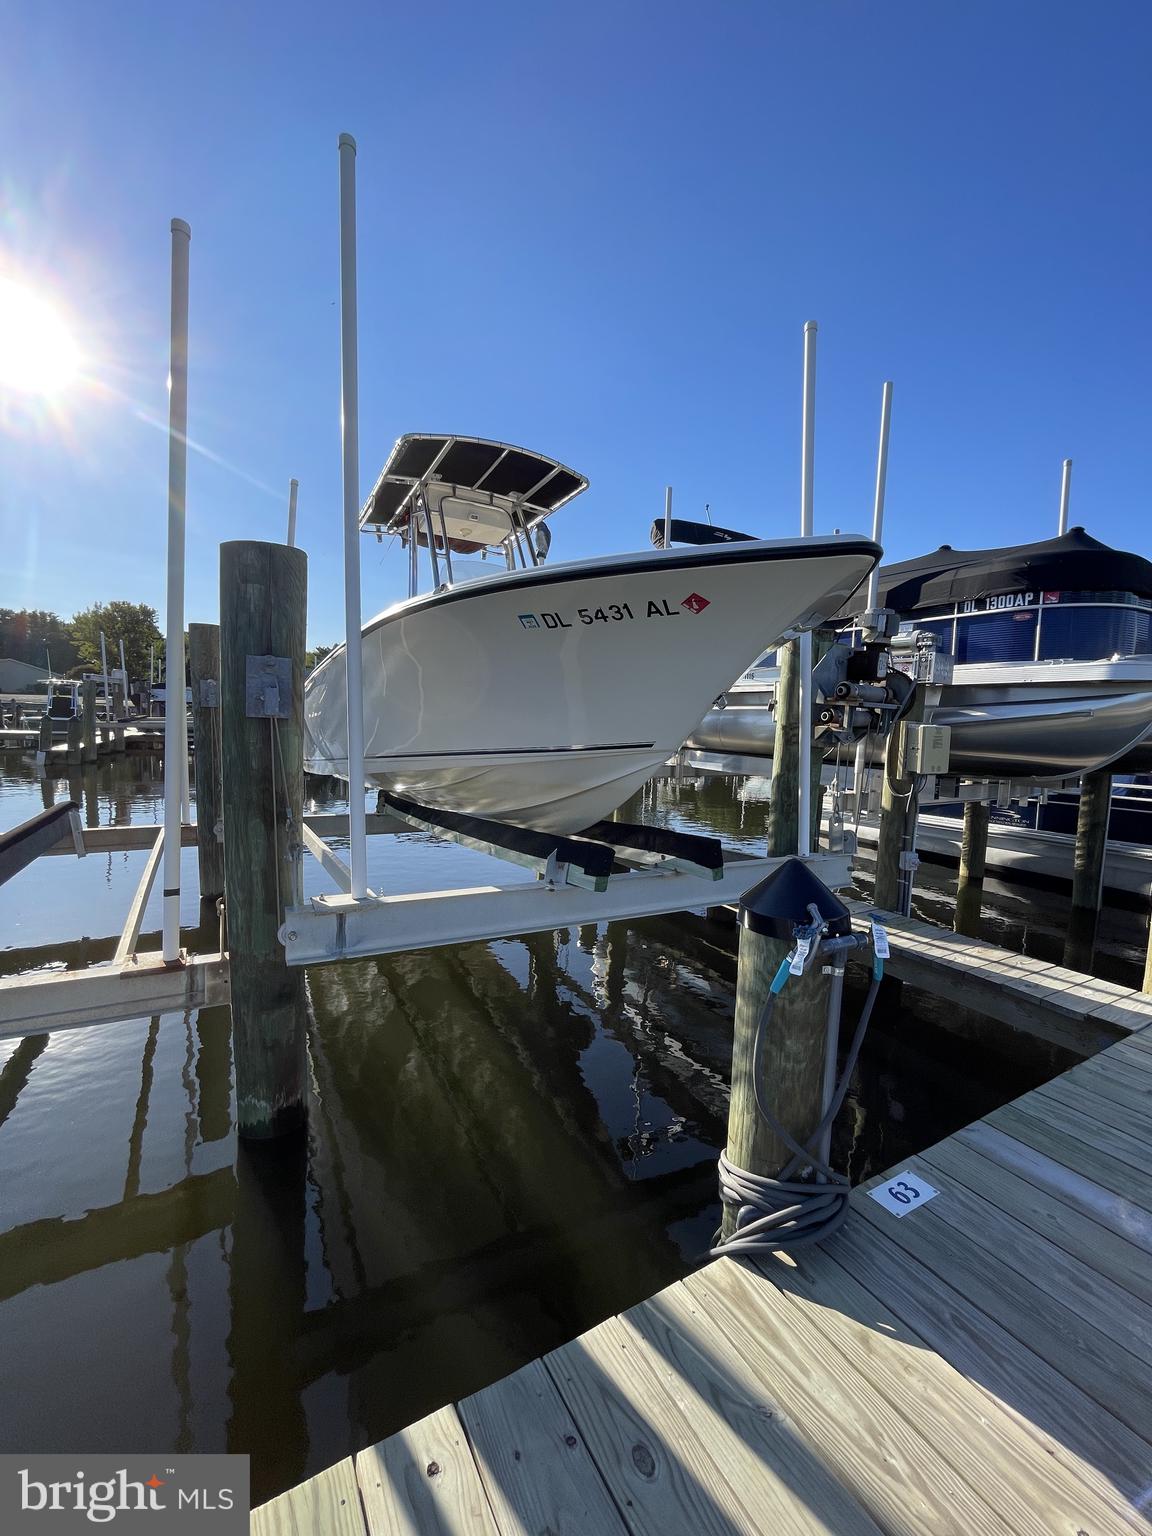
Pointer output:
x,y
1055,1494
328,1503
1079,1153
1045,1325
1083,1194
1088,1104
1123,1262
1077,1282
1137,1053
1131,1156
536,1468
424,1482
1115,1082
880,1458
682,1447
1078,1432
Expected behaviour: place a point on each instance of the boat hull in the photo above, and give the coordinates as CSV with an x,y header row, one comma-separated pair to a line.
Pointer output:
x,y
1040,723
546,697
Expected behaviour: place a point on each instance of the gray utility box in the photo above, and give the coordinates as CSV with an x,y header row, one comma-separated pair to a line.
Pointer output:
x,y
925,748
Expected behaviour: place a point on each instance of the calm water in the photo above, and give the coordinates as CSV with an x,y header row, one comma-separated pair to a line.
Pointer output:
x,y
507,1143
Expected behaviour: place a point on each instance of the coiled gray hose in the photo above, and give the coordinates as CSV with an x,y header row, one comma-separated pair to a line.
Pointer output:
x,y
787,1212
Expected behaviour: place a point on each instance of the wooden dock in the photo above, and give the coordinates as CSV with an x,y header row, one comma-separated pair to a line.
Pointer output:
x,y
1067,1007
981,1364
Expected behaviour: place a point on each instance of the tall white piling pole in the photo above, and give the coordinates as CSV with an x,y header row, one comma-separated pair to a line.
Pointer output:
x,y
807,462
873,596
1065,489
123,668
357,832
104,669
881,487
667,516
293,487
175,723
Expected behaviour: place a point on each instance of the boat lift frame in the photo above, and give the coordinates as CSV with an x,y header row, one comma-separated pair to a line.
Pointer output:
x,y
612,871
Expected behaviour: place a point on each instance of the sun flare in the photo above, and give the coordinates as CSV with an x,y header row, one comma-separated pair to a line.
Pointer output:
x,y
37,352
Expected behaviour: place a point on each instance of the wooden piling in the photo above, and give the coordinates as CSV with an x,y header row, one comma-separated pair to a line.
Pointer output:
x,y
897,813
793,1062
263,596
973,857
204,680
44,745
88,714
783,806
1088,869
75,734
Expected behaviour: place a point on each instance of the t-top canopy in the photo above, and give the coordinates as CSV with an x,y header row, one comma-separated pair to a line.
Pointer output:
x,y
1074,562
476,484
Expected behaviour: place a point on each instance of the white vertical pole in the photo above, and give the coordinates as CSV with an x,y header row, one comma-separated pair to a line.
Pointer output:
x,y
175,723
881,486
1065,488
293,486
357,833
873,596
104,669
667,516
124,668
185,791
807,462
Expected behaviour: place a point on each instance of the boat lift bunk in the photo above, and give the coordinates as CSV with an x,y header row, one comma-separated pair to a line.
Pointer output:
x,y
589,859
610,871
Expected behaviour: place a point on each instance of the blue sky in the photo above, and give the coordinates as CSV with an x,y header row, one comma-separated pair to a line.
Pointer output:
x,y
593,229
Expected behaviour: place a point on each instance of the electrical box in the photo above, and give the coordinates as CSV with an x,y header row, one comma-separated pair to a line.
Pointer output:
x,y
925,748
925,665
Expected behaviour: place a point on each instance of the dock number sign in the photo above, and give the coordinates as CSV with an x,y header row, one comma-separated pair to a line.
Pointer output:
x,y
904,1192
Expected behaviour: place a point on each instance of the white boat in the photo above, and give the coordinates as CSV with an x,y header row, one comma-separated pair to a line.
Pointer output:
x,y
544,695
1053,650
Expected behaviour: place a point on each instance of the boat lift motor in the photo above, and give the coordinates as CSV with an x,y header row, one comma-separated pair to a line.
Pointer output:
x,y
858,693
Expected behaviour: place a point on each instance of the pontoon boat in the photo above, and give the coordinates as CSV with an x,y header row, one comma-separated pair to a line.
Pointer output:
x,y
1053,650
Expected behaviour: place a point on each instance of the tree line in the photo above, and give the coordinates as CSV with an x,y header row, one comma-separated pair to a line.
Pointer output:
x,y
73,645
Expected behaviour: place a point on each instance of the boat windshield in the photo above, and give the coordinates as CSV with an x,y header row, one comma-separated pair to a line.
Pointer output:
x,y
1043,626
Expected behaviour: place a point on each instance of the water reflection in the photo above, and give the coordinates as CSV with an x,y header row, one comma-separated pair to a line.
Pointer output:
x,y
507,1142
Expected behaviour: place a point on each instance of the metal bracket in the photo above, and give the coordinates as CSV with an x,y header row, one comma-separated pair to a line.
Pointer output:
x,y
267,687
209,693
77,833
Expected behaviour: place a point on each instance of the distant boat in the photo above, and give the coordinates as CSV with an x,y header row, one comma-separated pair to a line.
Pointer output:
x,y
1053,649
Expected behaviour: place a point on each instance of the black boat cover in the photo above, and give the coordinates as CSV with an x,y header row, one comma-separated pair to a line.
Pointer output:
x,y
1075,562
684,532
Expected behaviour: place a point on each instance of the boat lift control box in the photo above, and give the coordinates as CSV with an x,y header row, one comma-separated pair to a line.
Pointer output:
x,y
925,749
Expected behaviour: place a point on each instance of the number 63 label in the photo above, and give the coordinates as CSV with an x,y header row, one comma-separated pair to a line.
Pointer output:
x,y
903,1192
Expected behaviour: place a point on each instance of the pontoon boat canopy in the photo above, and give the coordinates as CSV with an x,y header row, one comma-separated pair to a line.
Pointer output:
x,y
478,486
1074,562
